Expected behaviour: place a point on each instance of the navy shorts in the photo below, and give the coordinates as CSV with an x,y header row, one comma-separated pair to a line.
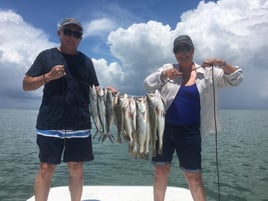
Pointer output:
x,y
51,149
186,141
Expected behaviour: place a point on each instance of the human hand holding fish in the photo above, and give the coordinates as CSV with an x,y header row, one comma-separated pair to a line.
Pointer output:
x,y
114,90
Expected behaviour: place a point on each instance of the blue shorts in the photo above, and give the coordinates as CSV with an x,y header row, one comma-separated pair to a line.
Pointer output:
x,y
73,149
186,141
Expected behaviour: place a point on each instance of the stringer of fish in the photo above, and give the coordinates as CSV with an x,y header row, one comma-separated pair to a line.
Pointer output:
x,y
138,120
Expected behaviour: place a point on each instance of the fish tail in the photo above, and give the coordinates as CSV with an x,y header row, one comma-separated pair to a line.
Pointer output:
x,y
111,137
146,156
96,133
119,139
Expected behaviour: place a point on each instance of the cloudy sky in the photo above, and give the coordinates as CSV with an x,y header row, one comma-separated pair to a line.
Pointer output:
x,y
128,41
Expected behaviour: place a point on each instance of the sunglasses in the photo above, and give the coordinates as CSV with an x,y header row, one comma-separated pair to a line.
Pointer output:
x,y
69,32
185,48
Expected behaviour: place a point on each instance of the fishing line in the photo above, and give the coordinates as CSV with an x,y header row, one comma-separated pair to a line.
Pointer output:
x,y
64,86
216,134
80,81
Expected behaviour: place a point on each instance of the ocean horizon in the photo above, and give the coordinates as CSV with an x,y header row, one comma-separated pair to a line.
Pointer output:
x,y
242,148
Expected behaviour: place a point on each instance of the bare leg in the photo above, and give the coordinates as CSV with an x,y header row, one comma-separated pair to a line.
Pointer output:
x,y
43,181
75,180
161,173
196,186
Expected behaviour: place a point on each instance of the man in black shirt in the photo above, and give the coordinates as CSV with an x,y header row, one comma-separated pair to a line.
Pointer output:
x,y
63,122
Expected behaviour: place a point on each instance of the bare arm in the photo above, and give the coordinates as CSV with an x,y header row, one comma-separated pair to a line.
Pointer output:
x,y
32,83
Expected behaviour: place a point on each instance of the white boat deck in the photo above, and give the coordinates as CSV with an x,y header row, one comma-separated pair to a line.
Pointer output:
x,y
118,193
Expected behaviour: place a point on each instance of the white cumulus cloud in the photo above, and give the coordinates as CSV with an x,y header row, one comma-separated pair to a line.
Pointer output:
x,y
233,30
98,27
20,44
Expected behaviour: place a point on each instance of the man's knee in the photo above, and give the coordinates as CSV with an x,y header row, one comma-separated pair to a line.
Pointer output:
x,y
46,170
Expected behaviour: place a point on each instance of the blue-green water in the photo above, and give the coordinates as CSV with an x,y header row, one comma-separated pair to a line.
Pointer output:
x,y
242,154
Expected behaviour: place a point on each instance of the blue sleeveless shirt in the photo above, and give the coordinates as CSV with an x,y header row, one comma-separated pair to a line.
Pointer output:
x,y
185,108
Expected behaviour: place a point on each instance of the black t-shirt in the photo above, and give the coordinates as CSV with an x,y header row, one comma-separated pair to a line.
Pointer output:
x,y
65,103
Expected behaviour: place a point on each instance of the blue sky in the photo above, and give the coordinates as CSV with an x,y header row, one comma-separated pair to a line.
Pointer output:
x,y
127,40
